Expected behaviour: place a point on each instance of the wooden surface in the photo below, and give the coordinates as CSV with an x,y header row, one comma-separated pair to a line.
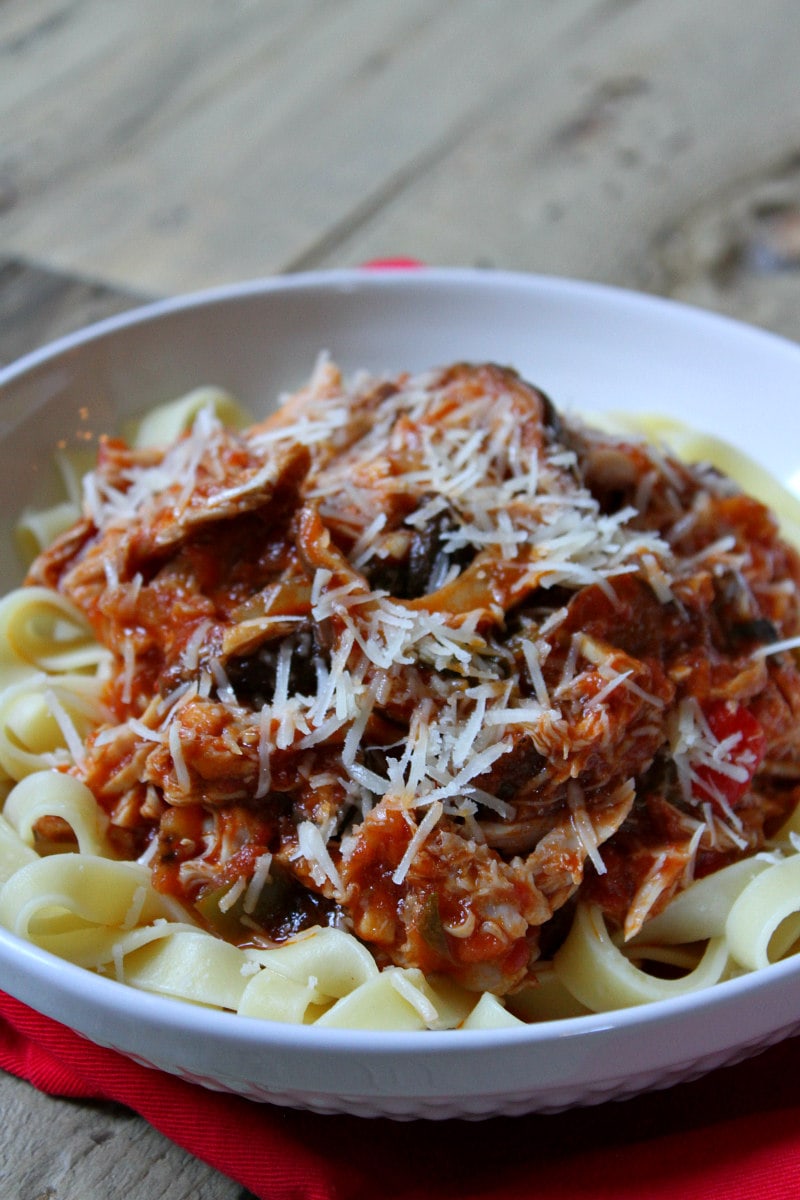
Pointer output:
x,y
163,147
150,147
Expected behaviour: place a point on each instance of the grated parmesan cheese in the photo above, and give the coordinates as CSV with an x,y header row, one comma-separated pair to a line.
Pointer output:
x,y
182,775
313,848
425,827
411,645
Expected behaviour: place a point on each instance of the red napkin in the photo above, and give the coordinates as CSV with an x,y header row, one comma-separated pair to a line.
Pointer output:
x,y
733,1134
392,264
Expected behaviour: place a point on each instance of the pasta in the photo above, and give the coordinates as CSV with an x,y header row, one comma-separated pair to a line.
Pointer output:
x,y
415,705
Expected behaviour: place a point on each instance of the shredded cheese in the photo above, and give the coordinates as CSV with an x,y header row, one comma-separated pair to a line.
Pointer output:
x,y
409,628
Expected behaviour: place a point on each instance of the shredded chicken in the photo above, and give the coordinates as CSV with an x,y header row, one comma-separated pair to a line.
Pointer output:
x,y
451,659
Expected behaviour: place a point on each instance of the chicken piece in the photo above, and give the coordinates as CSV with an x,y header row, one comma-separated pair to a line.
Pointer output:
x,y
458,909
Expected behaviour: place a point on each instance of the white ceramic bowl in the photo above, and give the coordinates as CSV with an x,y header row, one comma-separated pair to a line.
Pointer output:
x,y
589,348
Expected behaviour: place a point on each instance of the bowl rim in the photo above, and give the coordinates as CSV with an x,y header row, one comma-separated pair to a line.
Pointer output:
x,y
351,279
108,996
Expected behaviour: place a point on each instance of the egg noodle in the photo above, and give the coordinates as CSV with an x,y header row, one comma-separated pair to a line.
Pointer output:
x,y
414,706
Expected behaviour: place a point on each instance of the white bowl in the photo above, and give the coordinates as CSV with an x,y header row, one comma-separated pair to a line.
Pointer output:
x,y
590,348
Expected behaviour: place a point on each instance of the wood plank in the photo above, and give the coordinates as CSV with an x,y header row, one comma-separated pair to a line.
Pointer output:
x,y
58,1149
169,147
739,252
637,156
37,306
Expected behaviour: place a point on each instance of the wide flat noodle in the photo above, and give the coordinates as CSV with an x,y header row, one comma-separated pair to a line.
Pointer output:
x,y
599,975
42,631
166,422
14,852
399,998
764,922
53,794
701,911
44,720
694,446
38,528
333,958
89,888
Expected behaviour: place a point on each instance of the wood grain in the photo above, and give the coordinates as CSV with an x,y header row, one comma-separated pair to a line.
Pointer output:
x,y
71,1150
634,157
163,148
169,147
37,306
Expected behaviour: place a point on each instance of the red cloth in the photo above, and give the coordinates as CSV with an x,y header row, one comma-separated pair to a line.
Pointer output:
x,y
392,264
735,1133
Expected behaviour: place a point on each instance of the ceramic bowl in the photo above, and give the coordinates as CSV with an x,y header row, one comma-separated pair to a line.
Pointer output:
x,y
591,348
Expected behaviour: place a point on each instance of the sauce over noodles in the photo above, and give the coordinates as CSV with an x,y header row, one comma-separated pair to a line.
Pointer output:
x,y
424,660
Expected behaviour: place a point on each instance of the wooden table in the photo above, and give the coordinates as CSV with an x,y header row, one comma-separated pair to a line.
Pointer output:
x,y
148,148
